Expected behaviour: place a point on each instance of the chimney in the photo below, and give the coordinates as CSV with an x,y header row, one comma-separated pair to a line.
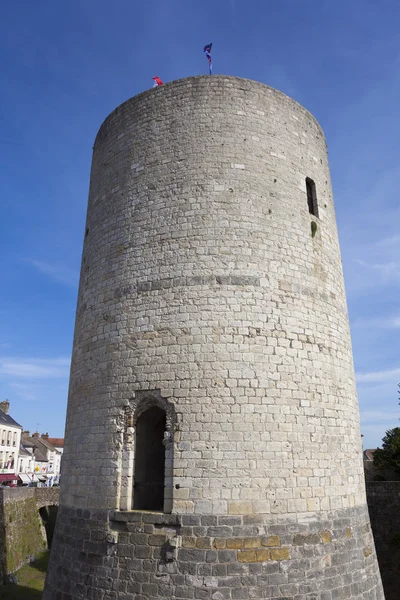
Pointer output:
x,y
35,435
45,436
25,433
4,406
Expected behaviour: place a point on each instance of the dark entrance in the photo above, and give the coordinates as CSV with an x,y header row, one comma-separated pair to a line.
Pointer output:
x,y
48,514
150,460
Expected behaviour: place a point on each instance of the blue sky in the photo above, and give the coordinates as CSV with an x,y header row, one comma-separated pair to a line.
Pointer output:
x,y
66,65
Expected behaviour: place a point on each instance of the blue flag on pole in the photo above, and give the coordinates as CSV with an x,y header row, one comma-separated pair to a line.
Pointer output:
x,y
207,52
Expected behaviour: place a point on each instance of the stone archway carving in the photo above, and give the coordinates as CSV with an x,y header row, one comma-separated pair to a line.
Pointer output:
x,y
141,402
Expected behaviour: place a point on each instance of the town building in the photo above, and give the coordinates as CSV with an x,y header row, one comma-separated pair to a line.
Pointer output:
x,y
47,458
58,444
10,440
27,464
53,456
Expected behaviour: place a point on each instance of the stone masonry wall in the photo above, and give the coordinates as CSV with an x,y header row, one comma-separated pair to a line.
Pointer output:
x,y
148,556
384,510
21,531
201,282
206,291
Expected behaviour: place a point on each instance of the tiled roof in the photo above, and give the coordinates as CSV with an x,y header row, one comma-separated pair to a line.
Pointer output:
x,y
45,443
27,443
39,456
369,453
56,442
39,447
5,419
23,452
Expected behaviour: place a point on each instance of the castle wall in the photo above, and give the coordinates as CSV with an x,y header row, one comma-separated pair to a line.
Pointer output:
x,y
384,510
22,534
204,289
147,556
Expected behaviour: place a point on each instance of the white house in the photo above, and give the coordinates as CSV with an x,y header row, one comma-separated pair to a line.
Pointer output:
x,y
58,444
47,458
27,462
10,441
52,454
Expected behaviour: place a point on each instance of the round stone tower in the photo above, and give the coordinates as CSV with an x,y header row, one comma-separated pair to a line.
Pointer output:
x,y
212,446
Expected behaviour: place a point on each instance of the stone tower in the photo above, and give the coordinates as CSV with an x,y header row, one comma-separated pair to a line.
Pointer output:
x,y
212,447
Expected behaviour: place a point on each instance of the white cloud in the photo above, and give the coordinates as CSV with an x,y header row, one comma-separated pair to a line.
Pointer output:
x,y
24,390
389,241
377,322
379,376
57,272
389,271
36,368
379,416
37,389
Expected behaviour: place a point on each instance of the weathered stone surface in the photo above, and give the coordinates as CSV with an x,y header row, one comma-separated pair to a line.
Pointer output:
x,y
383,504
346,568
22,533
203,292
272,540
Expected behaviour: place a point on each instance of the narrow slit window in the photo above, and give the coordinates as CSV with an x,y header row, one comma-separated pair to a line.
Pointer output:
x,y
311,197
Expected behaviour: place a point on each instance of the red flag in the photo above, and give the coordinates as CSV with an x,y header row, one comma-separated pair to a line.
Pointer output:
x,y
157,81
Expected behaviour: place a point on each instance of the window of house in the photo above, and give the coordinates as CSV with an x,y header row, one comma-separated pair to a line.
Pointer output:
x,y
9,438
311,197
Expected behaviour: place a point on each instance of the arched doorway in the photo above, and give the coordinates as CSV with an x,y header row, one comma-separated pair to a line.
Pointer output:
x,y
48,515
150,460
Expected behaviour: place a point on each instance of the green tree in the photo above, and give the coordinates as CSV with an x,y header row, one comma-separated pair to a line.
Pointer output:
x,y
388,457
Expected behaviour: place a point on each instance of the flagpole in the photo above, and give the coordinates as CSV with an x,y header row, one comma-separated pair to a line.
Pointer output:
x,y
207,52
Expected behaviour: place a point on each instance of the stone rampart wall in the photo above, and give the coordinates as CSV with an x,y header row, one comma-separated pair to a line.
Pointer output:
x,y
21,530
384,510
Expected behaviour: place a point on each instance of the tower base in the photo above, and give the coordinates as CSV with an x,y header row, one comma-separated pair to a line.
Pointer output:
x,y
106,555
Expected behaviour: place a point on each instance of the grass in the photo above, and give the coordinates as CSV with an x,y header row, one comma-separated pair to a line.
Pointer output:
x,y
30,580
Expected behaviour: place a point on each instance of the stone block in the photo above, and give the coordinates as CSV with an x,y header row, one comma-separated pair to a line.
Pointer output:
x,y
239,508
247,556
272,540
280,553
203,542
188,542
301,540
251,542
367,551
234,543
263,554
326,537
